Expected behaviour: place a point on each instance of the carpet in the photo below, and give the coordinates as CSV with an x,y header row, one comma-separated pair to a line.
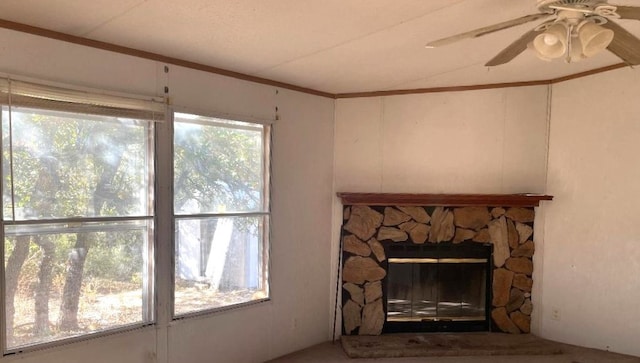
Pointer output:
x,y
446,344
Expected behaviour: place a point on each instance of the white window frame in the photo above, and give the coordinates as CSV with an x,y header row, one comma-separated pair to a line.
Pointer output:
x,y
160,255
266,212
50,96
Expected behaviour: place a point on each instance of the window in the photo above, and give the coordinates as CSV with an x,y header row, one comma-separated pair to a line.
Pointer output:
x,y
221,209
77,213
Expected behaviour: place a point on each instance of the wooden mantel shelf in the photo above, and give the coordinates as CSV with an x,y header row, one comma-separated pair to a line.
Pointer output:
x,y
452,200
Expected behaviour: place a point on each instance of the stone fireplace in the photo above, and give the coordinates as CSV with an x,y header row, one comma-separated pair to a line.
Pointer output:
x,y
432,262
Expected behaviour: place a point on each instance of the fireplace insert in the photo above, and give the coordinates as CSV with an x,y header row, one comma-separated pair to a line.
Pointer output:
x,y
437,287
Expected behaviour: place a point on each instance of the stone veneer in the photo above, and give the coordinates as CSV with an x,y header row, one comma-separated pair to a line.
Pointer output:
x,y
367,228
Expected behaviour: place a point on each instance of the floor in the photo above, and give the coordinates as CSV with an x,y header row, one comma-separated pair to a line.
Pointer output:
x,y
332,352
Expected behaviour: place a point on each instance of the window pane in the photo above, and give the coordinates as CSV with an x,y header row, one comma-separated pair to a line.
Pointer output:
x,y
64,280
218,166
74,165
219,262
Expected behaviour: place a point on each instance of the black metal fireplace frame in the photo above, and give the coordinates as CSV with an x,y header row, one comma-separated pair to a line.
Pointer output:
x,y
439,250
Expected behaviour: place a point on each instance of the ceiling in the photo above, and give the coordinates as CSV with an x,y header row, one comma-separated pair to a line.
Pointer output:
x,y
334,46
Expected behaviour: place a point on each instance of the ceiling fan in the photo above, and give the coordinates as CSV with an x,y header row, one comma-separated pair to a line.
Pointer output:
x,y
574,29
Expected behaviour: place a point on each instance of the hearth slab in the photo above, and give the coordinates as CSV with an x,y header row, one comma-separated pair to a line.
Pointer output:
x,y
446,345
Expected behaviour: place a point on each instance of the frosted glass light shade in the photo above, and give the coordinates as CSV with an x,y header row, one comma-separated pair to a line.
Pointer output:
x,y
594,38
552,43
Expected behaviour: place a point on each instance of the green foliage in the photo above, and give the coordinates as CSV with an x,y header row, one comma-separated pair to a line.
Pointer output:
x,y
59,165
219,167
64,165
119,261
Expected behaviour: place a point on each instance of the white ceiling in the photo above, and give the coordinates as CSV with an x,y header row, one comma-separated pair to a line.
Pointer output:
x,y
335,46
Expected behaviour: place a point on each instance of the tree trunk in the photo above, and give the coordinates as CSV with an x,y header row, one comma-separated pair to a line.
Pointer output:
x,y
68,320
43,289
12,274
47,180
102,195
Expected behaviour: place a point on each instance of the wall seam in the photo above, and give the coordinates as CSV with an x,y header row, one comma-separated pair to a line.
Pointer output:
x,y
505,112
334,308
540,243
546,165
381,141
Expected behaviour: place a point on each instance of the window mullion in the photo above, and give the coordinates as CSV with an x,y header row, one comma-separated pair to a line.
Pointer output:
x,y
164,222
220,215
149,275
3,320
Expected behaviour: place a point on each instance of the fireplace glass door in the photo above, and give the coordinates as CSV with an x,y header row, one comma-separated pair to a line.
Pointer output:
x,y
443,287
430,289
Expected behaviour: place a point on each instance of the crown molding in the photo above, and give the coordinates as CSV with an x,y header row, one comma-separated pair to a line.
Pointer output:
x,y
33,30
442,89
481,86
589,73
152,56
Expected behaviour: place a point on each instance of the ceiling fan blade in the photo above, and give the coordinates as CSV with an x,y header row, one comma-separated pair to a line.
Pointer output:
x,y
487,30
624,44
515,48
628,12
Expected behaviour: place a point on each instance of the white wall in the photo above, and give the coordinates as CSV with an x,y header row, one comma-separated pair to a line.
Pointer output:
x,y
302,162
489,141
592,228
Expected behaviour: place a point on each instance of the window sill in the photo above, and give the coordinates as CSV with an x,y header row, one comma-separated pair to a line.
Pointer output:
x,y
215,311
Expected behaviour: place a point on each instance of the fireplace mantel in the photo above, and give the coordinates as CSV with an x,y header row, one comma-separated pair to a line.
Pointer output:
x,y
450,200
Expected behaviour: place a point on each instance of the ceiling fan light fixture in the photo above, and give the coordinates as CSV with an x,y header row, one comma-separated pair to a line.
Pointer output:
x,y
550,39
575,53
571,29
538,54
552,43
594,38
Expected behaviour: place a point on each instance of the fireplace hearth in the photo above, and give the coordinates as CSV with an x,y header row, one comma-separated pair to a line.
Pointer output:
x,y
425,262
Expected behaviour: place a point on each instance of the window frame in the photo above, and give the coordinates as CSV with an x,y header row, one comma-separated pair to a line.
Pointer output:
x,y
95,108
267,139
160,256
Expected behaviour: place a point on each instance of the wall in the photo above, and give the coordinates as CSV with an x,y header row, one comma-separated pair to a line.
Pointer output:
x,y
592,228
488,141
302,162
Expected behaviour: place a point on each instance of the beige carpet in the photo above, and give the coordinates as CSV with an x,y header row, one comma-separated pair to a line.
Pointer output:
x,y
332,352
447,344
